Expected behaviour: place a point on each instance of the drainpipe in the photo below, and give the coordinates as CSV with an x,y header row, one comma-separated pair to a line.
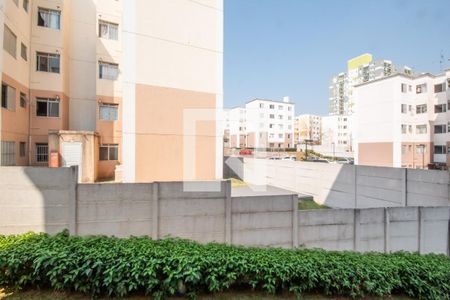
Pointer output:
x,y
29,86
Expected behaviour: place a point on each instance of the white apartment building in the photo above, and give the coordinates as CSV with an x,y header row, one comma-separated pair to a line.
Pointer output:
x,y
270,123
235,127
403,121
359,70
337,133
307,127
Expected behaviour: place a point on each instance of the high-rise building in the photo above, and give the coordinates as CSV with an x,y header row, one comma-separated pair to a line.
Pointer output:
x,y
307,127
113,87
403,121
359,70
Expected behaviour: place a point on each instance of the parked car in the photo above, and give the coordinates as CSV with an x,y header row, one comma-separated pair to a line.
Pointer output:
x,y
274,158
346,161
290,158
245,152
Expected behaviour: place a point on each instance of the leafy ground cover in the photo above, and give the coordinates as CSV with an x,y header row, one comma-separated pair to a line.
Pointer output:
x,y
305,204
104,266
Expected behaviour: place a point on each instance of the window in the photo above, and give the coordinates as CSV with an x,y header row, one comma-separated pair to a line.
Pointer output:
x,y
23,100
448,127
404,129
440,108
108,112
280,126
272,116
47,62
23,51
421,109
41,153
289,118
420,149
271,125
9,41
440,129
8,97
26,4
280,107
47,107
261,105
404,88
448,82
272,106
49,18
439,149
404,108
22,147
7,151
108,71
280,135
109,152
280,117
289,108
439,88
421,129
421,88
108,30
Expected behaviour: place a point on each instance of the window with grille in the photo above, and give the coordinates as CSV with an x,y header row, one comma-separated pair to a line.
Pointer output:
x,y
108,71
109,152
23,100
439,88
23,51
421,109
438,129
7,151
47,107
108,30
108,112
9,41
439,149
47,62
22,147
49,18
42,153
440,108
8,97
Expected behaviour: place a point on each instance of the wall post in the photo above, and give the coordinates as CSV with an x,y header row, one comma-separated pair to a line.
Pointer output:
x,y
73,201
155,211
356,229
405,187
294,221
387,233
228,203
419,230
355,183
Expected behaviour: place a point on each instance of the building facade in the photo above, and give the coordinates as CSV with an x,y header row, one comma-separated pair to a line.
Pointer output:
x,y
403,121
359,70
235,127
270,123
113,85
308,127
337,134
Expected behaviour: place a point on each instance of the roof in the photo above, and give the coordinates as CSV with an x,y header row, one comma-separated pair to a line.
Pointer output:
x,y
400,75
268,100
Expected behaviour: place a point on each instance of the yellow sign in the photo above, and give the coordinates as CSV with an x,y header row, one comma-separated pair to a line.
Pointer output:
x,y
359,61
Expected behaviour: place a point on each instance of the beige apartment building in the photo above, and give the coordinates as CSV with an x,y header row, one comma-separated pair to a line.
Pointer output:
x,y
110,86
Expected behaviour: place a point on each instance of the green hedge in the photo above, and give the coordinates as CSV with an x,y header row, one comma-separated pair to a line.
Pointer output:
x,y
118,267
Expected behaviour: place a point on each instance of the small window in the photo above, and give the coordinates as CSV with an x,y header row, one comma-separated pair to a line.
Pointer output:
x,y
280,135
272,116
108,71
404,88
404,108
289,108
22,147
8,97
23,51
438,129
421,88
280,117
47,62
108,30
9,41
280,107
440,108
47,107
49,18
421,129
439,88
41,153
439,149
109,152
108,112
261,105
404,129
23,100
272,106
421,109
448,82
420,149
8,153
26,4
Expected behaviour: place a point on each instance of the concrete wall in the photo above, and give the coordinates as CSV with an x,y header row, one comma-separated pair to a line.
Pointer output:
x,y
348,186
414,229
50,200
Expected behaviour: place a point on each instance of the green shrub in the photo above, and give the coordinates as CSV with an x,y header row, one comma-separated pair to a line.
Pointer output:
x,y
117,267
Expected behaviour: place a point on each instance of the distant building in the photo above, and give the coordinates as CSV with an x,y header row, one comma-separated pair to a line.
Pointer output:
x,y
403,121
307,127
235,127
337,133
359,70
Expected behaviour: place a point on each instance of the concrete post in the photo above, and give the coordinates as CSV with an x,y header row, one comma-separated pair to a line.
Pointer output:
x,y
356,229
73,201
228,237
355,182
419,230
294,221
387,233
155,211
405,187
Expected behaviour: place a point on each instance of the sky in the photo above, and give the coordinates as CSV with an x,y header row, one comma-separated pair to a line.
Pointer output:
x,y
276,48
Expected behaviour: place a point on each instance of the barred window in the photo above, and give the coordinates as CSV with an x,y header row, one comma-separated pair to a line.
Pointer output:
x,y
41,153
108,112
108,71
8,155
47,62
49,18
108,30
109,152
